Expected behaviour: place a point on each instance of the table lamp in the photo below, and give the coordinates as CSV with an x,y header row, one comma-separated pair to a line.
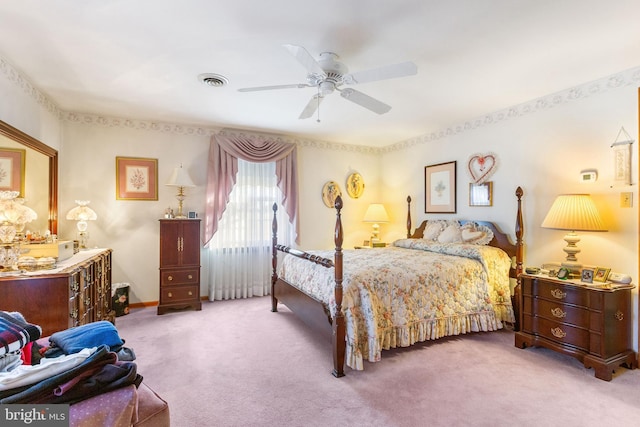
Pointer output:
x,y
181,179
376,213
573,212
82,213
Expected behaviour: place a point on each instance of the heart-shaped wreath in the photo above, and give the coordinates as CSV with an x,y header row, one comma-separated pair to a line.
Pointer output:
x,y
482,166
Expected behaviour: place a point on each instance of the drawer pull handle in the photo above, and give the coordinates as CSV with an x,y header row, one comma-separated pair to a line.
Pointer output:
x,y
74,314
190,293
169,278
619,315
558,333
190,277
557,312
558,294
170,295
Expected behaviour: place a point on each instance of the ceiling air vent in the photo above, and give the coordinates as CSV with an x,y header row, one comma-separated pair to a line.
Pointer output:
x,y
215,80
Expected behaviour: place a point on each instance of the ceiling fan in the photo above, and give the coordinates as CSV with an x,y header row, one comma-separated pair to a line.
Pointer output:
x,y
327,74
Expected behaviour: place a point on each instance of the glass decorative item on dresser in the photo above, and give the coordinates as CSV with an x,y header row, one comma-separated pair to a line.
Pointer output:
x,y
13,217
82,213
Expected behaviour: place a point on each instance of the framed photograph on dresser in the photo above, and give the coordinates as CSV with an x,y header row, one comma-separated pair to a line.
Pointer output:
x,y
601,274
587,275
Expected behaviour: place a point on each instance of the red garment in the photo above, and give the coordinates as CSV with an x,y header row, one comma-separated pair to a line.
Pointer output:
x,y
25,354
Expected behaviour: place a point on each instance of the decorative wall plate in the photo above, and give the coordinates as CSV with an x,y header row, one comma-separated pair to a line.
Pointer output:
x,y
482,166
330,191
355,185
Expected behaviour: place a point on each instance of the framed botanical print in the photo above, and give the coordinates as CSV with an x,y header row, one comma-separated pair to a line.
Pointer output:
x,y
136,178
12,162
440,188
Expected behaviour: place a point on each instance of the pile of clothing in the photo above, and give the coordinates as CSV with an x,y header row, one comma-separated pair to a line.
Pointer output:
x,y
72,365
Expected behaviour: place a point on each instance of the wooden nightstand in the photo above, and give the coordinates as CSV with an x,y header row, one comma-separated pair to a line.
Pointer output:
x,y
589,322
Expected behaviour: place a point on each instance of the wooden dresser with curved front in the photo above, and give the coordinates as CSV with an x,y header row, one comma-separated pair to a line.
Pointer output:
x,y
76,292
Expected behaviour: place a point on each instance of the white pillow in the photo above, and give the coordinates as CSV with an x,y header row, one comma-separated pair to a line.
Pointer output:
x,y
476,234
432,230
451,234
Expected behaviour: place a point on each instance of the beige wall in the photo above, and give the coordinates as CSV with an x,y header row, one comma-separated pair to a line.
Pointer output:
x,y
542,146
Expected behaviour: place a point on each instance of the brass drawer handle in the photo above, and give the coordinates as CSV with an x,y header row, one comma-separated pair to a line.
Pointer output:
x,y
170,295
557,312
190,293
558,333
558,294
190,276
619,315
74,314
169,278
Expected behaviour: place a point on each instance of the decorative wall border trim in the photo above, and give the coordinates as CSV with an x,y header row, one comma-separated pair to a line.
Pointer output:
x,y
596,87
624,78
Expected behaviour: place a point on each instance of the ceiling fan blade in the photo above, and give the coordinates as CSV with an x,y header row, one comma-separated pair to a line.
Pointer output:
x,y
305,58
365,101
393,71
311,107
291,86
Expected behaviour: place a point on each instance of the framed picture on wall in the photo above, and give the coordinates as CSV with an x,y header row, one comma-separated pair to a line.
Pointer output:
x,y
12,161
136,178
481,194
440,188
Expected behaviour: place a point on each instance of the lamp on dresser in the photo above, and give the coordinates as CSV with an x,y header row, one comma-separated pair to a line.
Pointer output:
x,y
82,213
376,213
13,217
573,212
181,179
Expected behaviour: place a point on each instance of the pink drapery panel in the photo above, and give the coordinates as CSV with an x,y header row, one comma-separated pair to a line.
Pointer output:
x,y
224,152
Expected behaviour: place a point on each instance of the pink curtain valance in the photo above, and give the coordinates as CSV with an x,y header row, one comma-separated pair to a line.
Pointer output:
x,y
224,152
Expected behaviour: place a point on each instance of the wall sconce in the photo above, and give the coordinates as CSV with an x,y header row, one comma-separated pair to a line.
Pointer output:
x,y
376,213
180,178
573,212
82,213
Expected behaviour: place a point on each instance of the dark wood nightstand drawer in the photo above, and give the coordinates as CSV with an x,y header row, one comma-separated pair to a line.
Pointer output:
x,y
555,291
560,332
562,313
178,294
180,277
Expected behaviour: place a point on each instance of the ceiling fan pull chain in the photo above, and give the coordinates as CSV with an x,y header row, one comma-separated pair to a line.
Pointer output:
x,y
318,100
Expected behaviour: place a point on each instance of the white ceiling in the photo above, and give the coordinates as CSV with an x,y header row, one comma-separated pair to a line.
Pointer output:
x,y
140,59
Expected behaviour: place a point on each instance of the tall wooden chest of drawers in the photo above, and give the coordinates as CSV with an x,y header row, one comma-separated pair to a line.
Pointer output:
x,y
589,322
76,292
179,264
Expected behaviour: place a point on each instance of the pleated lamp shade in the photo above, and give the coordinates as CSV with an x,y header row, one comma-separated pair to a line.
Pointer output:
x,y
574,212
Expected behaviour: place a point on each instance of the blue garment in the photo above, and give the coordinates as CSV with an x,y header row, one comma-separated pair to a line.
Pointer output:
x,y
94,334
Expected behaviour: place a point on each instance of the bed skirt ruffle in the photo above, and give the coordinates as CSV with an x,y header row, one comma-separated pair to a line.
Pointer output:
x,y
425,330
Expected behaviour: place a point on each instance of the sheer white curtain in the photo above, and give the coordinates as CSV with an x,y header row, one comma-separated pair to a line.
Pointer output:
x,y
240,250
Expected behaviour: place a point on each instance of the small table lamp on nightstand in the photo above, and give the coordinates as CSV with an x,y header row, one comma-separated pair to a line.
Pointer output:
x,y
376,213
573,212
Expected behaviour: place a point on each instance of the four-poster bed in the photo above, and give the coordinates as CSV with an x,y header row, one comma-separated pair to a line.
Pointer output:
x,y
461,289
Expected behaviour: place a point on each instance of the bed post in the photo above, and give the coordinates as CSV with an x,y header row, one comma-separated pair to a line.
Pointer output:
x,y
339,331
515,299
408,217
274,258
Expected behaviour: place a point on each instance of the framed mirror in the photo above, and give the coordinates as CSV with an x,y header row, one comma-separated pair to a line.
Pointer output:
x,y
40,176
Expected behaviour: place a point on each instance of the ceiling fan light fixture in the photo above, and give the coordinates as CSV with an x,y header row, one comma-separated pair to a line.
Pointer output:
x,y
214,80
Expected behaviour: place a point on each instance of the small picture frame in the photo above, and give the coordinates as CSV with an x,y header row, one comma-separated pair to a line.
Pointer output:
x,y
440,188
12,163
481,194
192,215
587,275
136,178
601,274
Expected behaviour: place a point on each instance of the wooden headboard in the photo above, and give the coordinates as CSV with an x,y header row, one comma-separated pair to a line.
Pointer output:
x,y
500,239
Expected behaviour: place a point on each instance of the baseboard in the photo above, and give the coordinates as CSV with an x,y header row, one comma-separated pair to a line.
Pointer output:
x,y
155,303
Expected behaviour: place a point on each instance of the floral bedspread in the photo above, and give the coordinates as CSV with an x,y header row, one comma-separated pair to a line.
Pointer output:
x,y
411,292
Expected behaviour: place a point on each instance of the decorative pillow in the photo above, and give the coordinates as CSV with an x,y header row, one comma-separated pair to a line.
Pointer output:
x,y
451,234
476,234
433,230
